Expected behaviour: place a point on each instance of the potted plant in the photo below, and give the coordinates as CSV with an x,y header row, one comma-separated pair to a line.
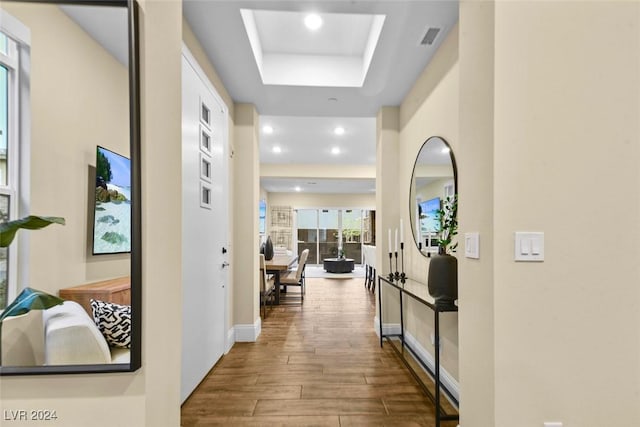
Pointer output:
x,y
29,299
442,278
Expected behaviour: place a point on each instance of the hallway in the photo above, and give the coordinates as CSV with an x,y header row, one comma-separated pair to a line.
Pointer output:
x,y
319,364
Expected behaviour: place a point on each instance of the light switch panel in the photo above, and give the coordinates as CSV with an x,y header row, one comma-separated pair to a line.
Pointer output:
x,y
529,246
472,245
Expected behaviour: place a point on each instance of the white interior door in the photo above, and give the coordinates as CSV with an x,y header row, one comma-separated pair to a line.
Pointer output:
x,y
204,226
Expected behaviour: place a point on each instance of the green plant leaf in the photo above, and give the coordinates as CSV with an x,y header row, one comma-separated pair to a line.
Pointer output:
x,y
9,229
30,299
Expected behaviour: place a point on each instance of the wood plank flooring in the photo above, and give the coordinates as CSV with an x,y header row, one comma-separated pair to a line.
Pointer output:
x,y
315,364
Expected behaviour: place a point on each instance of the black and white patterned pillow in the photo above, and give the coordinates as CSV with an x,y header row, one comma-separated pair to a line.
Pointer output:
x,y
114,322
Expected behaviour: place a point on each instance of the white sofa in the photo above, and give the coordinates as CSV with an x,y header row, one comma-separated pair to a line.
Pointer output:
x,y
61,335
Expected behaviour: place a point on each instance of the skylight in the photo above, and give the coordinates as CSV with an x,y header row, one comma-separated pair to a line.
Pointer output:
x,y
336,54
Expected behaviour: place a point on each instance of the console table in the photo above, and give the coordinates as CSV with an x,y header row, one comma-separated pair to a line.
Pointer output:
x,y
113,290
338,265
418,292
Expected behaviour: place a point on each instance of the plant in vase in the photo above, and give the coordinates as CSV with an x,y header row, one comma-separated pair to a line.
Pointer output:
x,y
442,278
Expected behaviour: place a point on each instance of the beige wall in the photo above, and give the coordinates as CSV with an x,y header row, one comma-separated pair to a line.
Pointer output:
x,y
475,213
567,326
247,191
436,115
149,397
318,200
79,99
388,203
540,118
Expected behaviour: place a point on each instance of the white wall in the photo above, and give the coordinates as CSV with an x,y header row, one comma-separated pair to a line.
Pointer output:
x,y
194,46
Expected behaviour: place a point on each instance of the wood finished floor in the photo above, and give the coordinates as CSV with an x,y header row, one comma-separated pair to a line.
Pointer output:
x,y
319,364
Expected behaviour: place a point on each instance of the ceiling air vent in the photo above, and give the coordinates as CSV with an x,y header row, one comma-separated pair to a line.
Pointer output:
x,y
430,36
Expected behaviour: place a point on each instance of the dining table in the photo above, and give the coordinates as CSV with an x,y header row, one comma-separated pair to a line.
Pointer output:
x,y
276,265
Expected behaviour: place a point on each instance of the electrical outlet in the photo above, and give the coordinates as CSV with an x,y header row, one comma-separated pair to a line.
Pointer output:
x,y
552,424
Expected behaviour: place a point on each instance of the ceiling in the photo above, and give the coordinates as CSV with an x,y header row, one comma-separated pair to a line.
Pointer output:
x,y
397,61
366,55
243,38
106,24
309,140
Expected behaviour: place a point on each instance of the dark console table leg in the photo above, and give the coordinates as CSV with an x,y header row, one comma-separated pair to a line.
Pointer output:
x,y
380,311
437,367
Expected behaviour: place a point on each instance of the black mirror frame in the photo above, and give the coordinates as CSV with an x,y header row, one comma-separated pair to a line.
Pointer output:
x,y
135,361
413,172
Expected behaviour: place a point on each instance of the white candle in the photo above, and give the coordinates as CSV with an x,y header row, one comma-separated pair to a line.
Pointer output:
x,y
389,240
401,232
396,240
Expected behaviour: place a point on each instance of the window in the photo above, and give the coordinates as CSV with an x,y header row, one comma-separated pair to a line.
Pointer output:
x,y
8,161
14,43
325,231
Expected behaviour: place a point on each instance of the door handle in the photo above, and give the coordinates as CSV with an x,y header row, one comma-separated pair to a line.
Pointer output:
x,y
225,264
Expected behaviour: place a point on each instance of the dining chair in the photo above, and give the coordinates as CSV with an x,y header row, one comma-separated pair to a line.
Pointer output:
x,y
296,277
267,287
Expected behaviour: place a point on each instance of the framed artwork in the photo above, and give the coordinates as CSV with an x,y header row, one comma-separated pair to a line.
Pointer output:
x,y
281,216
281,238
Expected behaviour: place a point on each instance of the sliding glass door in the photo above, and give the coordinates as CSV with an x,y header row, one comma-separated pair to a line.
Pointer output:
x,y
352,234
322,231
329,233
307,220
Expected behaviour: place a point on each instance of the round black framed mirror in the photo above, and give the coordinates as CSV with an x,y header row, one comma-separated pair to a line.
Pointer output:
x,y
434,178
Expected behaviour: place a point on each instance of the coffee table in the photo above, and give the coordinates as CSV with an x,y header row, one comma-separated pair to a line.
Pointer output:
x,y
338,265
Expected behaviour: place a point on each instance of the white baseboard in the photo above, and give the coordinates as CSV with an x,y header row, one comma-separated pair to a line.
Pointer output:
x,y
425,356
387,328
248,333
447,380
231,339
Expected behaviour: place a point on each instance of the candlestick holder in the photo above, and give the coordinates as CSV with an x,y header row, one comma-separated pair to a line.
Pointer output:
x,y
402,275
427,246
390,267
396,275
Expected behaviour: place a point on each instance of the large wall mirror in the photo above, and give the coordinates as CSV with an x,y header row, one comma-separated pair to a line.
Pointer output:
x,y
70,148
434,179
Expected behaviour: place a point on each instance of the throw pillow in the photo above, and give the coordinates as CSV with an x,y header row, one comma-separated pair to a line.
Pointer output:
x,y
114,322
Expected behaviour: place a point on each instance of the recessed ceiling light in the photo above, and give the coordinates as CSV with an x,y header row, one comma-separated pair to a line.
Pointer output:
x,y
276,149
313,21
298,189
339,130
267,129
445,150
335,150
